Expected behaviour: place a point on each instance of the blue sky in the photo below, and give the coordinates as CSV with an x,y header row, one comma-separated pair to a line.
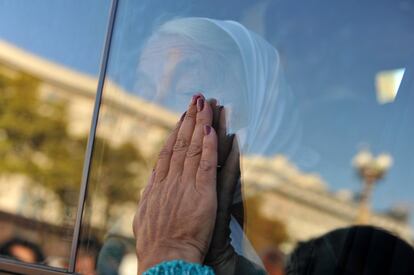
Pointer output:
x,y
68,32
330,54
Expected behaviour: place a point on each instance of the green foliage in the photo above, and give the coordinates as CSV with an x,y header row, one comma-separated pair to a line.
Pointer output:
x,y
23,127
34,141
117,172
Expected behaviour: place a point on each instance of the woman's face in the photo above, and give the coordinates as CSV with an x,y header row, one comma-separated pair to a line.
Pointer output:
x,y
171,69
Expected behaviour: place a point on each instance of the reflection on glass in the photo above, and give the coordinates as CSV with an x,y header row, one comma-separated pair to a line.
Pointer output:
x,y
388,83
43,133
49,62
371,170
226,62
299,123
120,168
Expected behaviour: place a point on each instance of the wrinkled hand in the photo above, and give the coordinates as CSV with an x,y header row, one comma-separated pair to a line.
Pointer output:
x,y
175,217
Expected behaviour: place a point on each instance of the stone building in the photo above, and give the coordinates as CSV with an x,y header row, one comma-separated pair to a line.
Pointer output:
x,y
301,201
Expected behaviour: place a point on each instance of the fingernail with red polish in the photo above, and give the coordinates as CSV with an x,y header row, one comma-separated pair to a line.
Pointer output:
x,y
200,104
195,97
207,130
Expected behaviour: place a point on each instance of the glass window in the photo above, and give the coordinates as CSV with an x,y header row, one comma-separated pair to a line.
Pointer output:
x,y
49,63
318,93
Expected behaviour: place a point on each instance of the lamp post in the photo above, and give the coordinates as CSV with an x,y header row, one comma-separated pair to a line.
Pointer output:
x,y
371,169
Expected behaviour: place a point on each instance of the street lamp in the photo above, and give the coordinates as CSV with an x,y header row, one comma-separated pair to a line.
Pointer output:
x,y
371,169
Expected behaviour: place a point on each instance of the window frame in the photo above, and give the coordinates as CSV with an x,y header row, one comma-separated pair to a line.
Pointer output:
x,y
15,267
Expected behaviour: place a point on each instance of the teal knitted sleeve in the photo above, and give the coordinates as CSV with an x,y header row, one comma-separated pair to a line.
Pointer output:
x,y
179,267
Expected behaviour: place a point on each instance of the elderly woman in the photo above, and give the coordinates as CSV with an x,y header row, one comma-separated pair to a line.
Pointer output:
x,y
185,210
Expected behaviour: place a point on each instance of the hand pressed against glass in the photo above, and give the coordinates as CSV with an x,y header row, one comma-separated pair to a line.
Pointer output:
x,y
175,217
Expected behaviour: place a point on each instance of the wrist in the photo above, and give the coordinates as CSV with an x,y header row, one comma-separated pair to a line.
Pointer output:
x,y
158,255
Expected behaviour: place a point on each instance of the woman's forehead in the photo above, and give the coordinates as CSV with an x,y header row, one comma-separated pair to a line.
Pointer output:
x,y
165,44
156,62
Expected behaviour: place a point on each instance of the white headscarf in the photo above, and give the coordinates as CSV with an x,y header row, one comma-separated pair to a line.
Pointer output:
x,y
226,61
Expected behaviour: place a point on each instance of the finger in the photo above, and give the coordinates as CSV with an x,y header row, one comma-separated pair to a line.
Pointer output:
x,y
192,160
207,173
225,140
163,162
184,136
146,192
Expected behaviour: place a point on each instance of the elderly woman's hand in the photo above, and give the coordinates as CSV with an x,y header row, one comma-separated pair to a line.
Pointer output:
x,y
175,217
